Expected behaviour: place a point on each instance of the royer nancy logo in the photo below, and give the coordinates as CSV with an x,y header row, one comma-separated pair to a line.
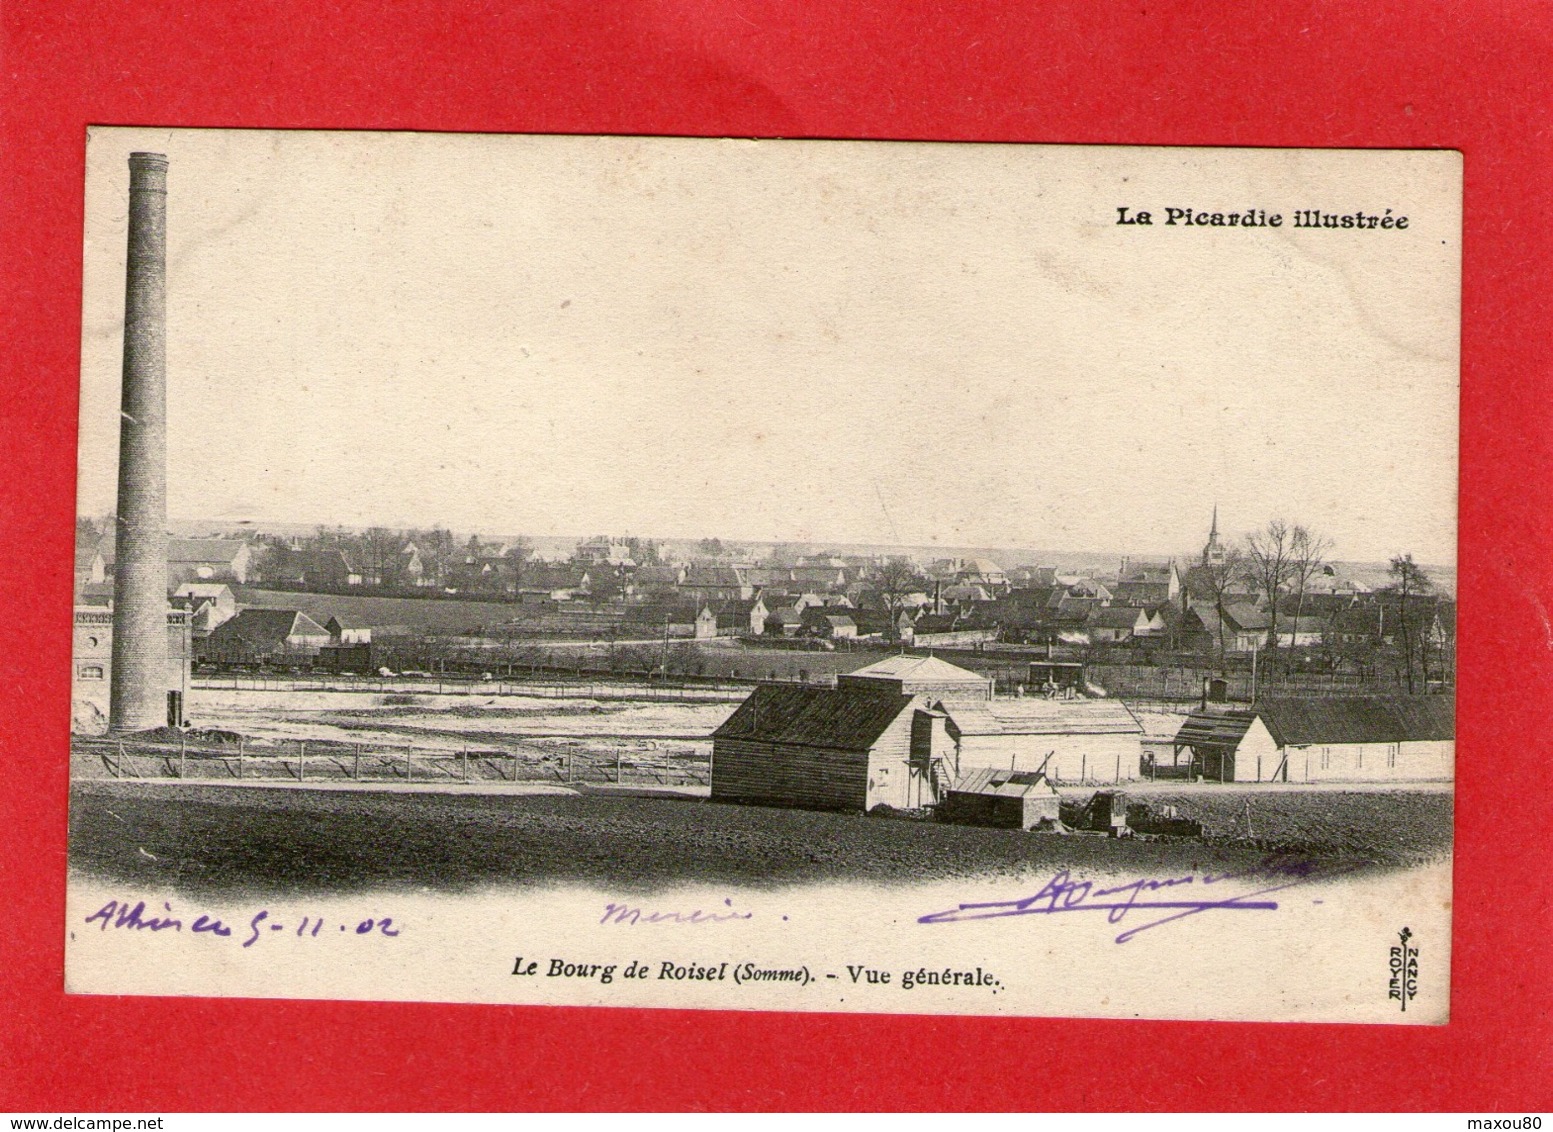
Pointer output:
x,y
1404,969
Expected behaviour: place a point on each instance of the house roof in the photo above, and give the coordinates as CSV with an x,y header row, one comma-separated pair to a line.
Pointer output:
x,y
1114,617
656,613
1359,719
722,576
1244,615
1075,608
202,589
1305,722
983,568
657,575
327,560
553,577
850,719
919,669
966,592
1043,717
768,575
266,628
209,551
809,575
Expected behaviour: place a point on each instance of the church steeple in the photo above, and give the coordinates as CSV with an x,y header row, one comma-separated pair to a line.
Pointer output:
x,y
1213,553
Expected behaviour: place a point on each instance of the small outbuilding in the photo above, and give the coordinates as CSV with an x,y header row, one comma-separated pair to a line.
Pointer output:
x,y
1006,799
920,676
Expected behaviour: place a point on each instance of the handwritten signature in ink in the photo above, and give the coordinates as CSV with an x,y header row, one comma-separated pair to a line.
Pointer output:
x,y
1157,901
627,914
122,915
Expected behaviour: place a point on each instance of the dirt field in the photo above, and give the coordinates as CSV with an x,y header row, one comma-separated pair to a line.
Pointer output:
x,y
297,841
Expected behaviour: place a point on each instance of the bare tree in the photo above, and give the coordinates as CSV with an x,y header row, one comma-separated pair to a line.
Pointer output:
x,y
1217,578
1409,582
897,577
1268,562
1307,554
379,548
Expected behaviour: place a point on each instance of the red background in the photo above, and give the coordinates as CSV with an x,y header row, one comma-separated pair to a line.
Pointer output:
x,y
1468,76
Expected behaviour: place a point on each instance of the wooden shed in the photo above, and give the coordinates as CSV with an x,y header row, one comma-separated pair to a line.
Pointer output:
x,y
1006,799
850,748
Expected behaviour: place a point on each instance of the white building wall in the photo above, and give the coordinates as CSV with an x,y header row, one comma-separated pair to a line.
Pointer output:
x,y
1421,761
889,764
1257,758
1074,758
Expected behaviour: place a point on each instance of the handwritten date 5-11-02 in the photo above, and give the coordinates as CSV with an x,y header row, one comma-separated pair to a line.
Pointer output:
x,y
122,915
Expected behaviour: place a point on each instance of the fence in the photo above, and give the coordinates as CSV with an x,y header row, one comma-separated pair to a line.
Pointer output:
x,y
328,761
538,689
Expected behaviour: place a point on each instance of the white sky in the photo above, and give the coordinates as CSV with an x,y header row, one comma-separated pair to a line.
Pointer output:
x,y
813,341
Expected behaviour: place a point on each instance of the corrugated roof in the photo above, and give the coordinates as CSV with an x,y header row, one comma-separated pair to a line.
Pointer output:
x,y
1215,727
1359,719
1043,717
1002,783
851,719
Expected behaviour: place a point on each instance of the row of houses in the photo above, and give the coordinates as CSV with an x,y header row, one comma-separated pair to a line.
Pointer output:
x,y
908,731
189,560
957,602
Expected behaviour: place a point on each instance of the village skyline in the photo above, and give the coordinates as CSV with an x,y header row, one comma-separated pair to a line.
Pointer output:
x,y
560,547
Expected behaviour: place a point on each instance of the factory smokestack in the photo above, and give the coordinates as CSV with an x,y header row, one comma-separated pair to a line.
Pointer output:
x,y
138,695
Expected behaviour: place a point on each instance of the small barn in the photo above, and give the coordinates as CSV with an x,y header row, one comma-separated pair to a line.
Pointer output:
x,y
1073,740
1340,739
849,748
1006,799
257,636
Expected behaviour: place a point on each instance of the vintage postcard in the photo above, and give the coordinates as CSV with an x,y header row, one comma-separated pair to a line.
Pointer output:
x,y
779,575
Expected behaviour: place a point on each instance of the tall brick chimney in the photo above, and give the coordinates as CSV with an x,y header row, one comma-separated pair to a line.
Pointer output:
x,y
138,694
